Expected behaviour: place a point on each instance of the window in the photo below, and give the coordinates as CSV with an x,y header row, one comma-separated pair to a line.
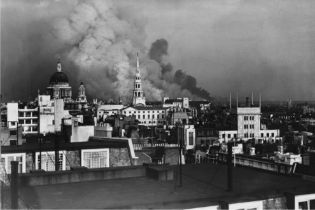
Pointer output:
x,y
95,158
234,135
246,135
272,135
48,161
148,116
138,116
143,116
267,134
245,126
223,135
261,135
6,162
303,205
191,138
245,118
229,136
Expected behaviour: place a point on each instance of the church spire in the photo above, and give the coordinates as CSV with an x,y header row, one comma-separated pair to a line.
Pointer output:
x,y
138,65
138,94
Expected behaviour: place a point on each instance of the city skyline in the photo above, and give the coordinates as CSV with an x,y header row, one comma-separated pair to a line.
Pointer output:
x,y
228,46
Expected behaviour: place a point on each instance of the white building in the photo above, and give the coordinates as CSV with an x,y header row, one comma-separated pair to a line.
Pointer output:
x,y
51,114
26,117
249,127
248,122
148,116
103,111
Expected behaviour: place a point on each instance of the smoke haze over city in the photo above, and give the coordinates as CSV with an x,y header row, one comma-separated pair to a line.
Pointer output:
x,y
196,49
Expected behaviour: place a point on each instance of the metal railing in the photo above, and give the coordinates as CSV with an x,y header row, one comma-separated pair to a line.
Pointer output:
x,y
259,164
139,146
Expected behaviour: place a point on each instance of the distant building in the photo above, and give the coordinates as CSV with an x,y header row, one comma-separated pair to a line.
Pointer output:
x,y
103,111
59,87
178,102
249,127
51,115
25,117
148,116
81,94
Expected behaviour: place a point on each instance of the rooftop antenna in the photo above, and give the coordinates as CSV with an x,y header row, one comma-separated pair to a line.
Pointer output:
x,y
230,101
252,98
259,100
236,100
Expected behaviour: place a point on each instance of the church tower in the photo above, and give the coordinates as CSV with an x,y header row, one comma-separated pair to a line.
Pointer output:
x,y
81,94
138,98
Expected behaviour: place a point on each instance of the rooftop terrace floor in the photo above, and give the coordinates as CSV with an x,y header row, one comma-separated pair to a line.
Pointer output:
x,y
203,185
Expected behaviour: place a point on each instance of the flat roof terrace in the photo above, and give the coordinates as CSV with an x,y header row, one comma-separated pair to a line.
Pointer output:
x,y
203,185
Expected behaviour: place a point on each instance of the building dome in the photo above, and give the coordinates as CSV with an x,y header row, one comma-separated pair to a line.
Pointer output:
x,y
58,77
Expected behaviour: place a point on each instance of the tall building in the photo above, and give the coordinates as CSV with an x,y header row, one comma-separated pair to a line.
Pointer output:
x,y
248,122
138,98
59,87
249,127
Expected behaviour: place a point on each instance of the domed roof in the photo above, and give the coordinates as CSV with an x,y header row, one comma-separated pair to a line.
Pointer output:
x,y
58,77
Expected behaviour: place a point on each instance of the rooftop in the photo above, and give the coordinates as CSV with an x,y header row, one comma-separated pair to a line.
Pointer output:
x,y
203,185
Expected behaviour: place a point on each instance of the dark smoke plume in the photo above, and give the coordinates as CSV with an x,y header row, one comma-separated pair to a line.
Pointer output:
x,y
159,53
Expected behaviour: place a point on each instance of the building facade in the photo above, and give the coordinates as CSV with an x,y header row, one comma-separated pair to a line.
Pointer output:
x,y
148,116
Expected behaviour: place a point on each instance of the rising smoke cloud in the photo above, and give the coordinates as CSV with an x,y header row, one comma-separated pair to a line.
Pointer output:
x,y
102,43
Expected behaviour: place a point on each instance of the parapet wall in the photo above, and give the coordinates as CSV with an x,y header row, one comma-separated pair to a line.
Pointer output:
x,y
80,175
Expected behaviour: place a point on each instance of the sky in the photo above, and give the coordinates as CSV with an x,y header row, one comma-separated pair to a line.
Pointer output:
x,y
237,46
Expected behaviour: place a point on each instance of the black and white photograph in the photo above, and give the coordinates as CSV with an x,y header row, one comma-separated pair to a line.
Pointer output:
x,y
157,104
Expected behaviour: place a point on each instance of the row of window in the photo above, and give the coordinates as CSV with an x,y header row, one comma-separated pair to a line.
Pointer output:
x,y
149,111
28,114
249,118
153,116
267,135
28,121
152,122
249,135
249,126
228,135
